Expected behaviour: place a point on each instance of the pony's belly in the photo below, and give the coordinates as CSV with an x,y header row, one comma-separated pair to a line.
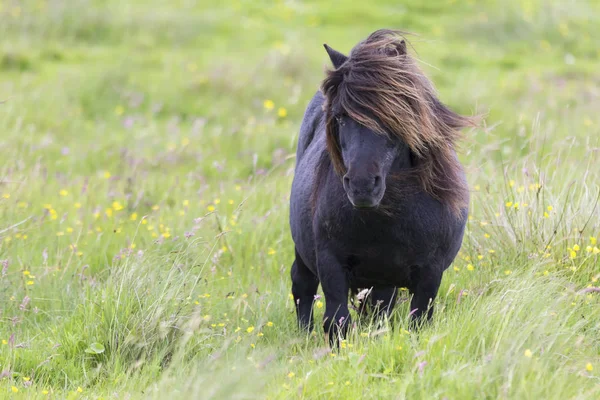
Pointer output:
x,y
393,270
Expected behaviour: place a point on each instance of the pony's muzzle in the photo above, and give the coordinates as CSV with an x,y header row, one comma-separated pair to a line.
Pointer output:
x,y
364,191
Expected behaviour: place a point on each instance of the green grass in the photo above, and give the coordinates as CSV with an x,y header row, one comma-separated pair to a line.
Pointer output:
x,y
144,184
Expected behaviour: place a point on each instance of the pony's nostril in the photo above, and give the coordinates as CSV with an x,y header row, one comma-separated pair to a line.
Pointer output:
x,y
346,181
377,182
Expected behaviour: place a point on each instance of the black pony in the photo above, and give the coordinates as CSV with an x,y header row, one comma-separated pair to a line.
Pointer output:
x,y
379,199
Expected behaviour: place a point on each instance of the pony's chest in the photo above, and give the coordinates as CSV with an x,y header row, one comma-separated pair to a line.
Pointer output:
x,y
380,251
376,235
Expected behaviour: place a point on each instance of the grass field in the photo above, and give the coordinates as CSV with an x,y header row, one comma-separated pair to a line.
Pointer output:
x,y
146,155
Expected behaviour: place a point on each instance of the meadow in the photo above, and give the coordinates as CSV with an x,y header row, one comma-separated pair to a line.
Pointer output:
x,y
146,157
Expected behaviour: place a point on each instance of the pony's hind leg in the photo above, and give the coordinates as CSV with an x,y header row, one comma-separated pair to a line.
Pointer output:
x,y
424,292
304,289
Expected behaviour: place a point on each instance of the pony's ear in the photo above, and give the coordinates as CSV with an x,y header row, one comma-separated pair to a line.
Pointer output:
x,y
396,49
336,57
401,47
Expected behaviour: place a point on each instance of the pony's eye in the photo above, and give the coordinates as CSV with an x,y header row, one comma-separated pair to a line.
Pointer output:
x,y
340,121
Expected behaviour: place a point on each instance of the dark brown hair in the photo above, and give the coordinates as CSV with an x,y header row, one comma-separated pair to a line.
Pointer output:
x,y
381,87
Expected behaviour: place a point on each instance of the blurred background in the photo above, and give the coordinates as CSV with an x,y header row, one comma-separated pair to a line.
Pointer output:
x,y
146,155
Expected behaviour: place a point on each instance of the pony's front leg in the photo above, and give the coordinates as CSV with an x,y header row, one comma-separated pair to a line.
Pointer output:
x,y
335,288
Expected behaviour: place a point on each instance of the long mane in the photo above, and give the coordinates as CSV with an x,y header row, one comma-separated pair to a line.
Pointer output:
x,y
381,87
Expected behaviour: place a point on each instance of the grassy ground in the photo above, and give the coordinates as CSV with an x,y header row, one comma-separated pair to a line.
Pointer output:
x,y
147,155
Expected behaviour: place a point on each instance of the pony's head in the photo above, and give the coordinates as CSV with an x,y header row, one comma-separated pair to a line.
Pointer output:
x,y
367,158
381,112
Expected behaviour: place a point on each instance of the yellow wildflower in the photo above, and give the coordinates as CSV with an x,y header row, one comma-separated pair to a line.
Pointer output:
x,y
250,329
528,353
589,367
268,104
282,112
572,254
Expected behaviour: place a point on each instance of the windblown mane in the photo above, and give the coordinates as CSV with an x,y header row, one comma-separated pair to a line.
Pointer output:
x,y
381,87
